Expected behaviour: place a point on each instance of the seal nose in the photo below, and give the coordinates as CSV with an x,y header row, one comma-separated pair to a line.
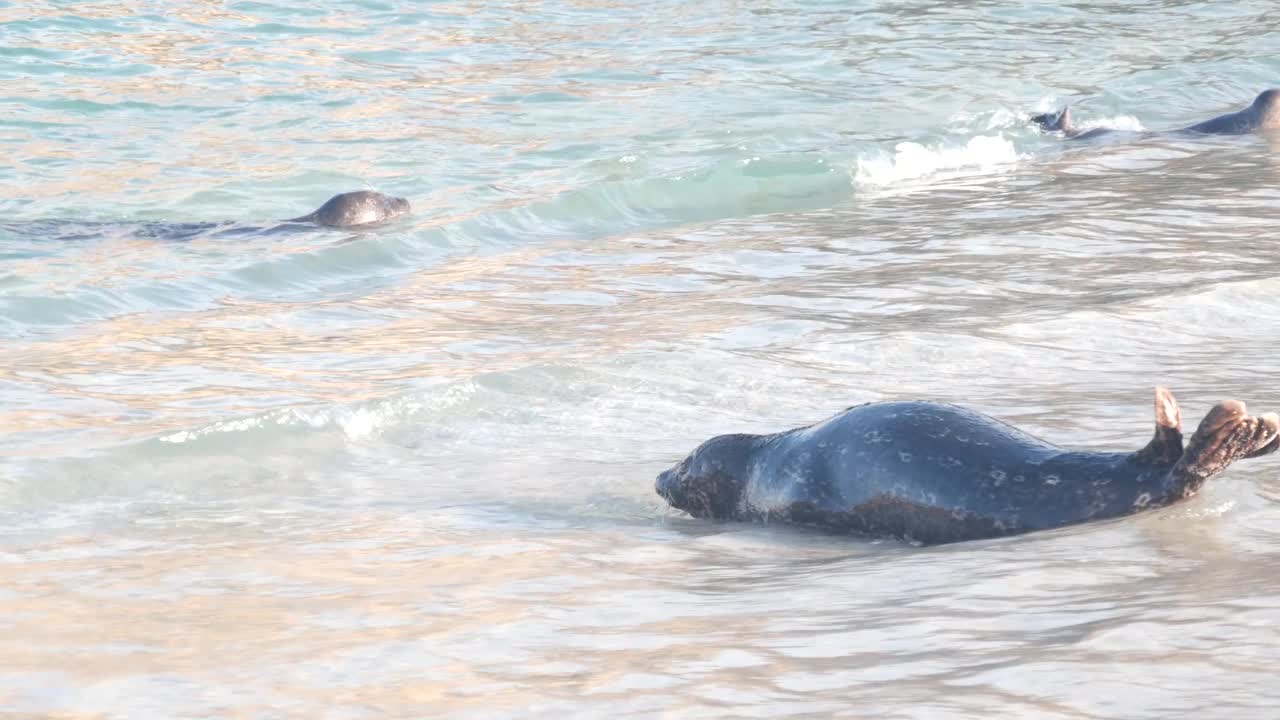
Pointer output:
x,y
663,485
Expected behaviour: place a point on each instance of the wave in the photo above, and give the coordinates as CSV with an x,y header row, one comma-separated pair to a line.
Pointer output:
x,y
991,143
912,161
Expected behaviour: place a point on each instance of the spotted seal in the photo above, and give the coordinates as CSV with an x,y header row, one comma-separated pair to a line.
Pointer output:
x,y
935,473
1262,114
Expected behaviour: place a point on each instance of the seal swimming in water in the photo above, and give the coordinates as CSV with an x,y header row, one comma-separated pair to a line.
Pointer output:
x,y
353,209
935,473
358,209
1262,114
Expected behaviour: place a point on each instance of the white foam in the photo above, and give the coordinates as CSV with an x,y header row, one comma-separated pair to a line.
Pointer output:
x,y
998,119
226,426
1049,103
1005,118
912,161
1115,122
355,422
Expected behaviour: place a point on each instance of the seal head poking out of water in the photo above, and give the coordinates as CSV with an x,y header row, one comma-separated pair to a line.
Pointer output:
x,y
359,209
362,207
935,473
1263,114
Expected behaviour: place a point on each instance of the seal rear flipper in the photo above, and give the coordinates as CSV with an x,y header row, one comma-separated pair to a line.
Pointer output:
x,y
1165,447
1054,121
1228,433
1265,449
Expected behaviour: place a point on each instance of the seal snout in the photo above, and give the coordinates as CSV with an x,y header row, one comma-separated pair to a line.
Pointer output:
x,y
664,484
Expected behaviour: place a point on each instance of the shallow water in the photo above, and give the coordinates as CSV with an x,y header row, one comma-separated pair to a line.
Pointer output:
x,y
408,472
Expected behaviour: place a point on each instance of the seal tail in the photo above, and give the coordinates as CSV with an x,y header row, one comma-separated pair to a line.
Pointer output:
x,y
1228,433
1165,447
1054,121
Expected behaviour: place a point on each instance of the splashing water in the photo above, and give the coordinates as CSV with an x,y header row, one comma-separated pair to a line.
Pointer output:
x,y
981,155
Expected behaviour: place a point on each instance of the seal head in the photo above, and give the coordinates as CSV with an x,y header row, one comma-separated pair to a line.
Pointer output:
x,y
707,483
354,209
1266,110
1262,114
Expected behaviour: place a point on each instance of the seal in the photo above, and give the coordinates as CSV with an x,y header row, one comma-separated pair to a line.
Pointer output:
x,y
1262,114
359,209
933,473
353,209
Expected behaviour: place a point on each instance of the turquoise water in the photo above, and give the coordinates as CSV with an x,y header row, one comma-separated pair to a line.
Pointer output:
x,y
408,472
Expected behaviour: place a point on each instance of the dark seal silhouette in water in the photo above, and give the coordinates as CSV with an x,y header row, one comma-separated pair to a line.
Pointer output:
x,y
359,209
353,209
1262,114
933,473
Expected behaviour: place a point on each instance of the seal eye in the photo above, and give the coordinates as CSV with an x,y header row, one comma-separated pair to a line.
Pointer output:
x,y
682,470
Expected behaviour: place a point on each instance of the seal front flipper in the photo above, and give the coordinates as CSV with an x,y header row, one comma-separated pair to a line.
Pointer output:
x,y
1228,433
1165,447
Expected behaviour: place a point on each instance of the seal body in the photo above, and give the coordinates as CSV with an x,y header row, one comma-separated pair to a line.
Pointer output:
x,y
362,208
935,473
1262,114
351,209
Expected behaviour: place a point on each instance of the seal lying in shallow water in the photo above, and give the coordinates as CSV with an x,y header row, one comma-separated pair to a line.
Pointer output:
x,y
1263,114
936,473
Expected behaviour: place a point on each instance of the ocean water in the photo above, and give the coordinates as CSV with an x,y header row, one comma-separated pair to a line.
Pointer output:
x,y
408,472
